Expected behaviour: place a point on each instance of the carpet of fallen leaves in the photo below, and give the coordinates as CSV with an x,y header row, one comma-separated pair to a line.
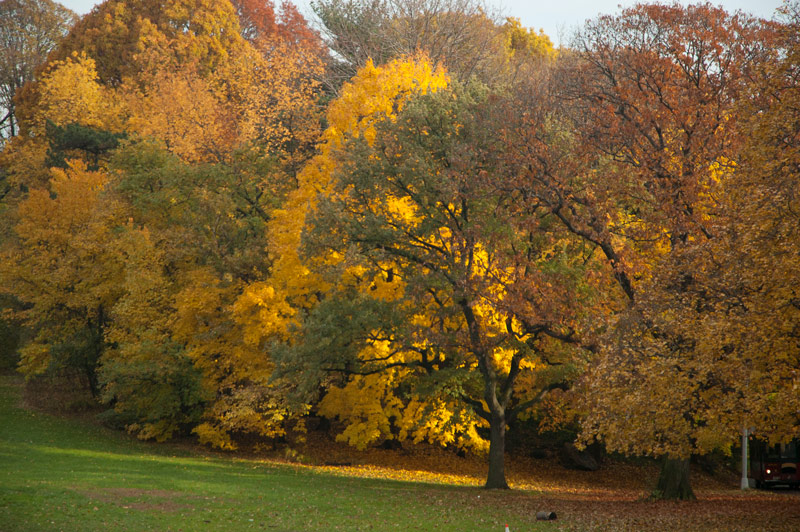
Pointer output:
x,y
613,498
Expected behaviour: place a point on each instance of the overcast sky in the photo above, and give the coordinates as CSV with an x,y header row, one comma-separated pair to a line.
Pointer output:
x,y
556,17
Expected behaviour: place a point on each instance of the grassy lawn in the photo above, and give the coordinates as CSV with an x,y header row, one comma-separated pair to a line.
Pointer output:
x,y
58,474
72,475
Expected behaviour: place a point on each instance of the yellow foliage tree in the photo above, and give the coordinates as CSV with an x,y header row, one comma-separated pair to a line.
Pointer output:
x,y
117,32
524,43
225,329
227,325
60,266
68,92
438,297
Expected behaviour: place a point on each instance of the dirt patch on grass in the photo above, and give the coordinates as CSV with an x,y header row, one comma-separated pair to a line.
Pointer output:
x,y
116,493
142,499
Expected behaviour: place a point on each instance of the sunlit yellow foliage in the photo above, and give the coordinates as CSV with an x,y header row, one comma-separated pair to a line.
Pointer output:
x,y
366,405
374,95
377,94
261,314
372,411
521,42
224,333
180,75
436,422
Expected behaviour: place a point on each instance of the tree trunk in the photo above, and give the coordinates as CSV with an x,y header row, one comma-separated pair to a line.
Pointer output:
x,y
91,377
673,482
497,453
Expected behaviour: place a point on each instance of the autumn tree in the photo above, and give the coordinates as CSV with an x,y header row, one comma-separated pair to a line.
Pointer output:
x,y
740,306
151,385
649,125
432,288
29,30
58,264
524,43
116,32
260,20
199,138
463,35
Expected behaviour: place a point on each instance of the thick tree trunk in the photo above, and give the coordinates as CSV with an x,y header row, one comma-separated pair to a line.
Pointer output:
x,y
497,454
673,482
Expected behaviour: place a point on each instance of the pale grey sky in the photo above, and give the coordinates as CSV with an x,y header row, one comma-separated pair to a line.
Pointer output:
x,y
556,17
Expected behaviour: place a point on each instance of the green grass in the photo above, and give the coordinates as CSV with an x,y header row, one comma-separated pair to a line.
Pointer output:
x,y
63,474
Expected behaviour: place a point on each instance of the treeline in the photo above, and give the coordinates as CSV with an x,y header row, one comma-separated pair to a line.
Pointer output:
x,y
423,222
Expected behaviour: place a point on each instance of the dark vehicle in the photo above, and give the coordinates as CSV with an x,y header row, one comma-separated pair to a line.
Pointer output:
x,y
775,465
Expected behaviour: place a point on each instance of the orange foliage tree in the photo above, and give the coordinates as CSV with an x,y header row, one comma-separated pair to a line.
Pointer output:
x,y
634,165
740,307
260,20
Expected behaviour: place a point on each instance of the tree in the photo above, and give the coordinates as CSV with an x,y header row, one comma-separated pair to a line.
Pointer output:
x,y
59,266
371,97
463,35
259,20
741,311
108,63
66,95
648,99
760,245
145,371
433,289
115,33
201,242
525,43
29,30
68,140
